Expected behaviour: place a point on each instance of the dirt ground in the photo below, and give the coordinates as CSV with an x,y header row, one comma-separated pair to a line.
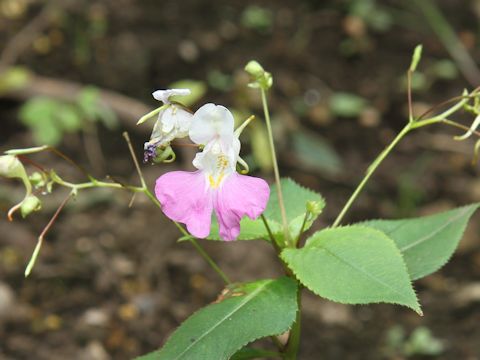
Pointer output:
x,y
111,281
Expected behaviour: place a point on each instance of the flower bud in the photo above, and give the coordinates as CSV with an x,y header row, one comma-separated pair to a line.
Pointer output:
x,y
11,167
30,204
261,78
254,69
314,207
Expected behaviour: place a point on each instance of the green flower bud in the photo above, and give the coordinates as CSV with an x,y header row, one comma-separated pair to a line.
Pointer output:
x,y
254,69
30,204
261,78
11,167
314,207
37,180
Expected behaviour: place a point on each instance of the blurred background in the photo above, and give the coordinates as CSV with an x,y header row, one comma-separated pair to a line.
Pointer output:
x,y
111,282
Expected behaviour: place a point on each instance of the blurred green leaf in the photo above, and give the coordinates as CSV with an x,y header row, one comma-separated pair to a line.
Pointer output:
x,y
257,18
69,117
88,101
422,342
314,151
90,104
198,90
220,81
39,115
445,69
346,104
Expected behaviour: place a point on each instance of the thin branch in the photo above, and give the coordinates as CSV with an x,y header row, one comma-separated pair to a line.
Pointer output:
x,y
409,95
135,161
31,263
210,261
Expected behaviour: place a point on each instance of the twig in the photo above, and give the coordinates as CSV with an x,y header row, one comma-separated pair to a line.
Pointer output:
x,y
134,158
31,263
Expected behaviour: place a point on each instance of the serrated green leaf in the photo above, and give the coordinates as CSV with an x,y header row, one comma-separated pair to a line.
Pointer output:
x,y
249,229
295,197
251,353
353,265
427,242
255,310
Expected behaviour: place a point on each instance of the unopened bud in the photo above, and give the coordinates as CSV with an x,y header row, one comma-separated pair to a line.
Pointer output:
x,y
261,78
11,167
314,207
30,204
254,69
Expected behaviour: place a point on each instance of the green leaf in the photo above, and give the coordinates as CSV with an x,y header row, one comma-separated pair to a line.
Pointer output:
x,y
88,101
252,311
428,242
353,265
68,117
295,197
39,115
346,104
251,353
316,153
249,229
198,90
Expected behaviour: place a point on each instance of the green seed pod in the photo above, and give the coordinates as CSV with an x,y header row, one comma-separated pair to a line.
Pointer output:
x,y
30,204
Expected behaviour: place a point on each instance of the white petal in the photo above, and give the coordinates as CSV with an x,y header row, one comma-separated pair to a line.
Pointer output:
x,y
164,95
212,121
173,122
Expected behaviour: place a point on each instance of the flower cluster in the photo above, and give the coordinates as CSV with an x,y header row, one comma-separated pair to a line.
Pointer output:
x,y
191,197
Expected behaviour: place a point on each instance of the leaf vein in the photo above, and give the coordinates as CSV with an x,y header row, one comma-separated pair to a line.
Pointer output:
x,y
440,228
214,326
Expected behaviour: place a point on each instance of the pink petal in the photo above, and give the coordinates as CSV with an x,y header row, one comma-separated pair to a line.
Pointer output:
x,y
239,195
185,198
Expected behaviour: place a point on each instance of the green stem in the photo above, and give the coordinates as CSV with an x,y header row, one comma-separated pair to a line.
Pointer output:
x,y
443,115
302,229
197,246
210,261
293,344
371,169
96,183
281,202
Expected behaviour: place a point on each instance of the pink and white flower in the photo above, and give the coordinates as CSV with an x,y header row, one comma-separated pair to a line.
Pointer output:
x,y
191,197
173,122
